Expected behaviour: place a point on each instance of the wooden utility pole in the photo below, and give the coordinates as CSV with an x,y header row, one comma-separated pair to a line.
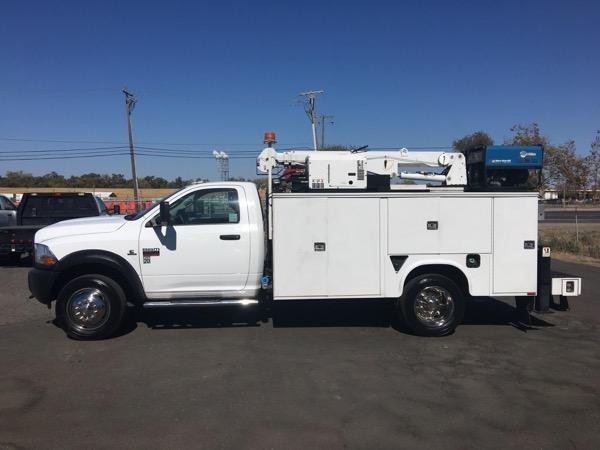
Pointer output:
x,y
130,102
324,118
309,107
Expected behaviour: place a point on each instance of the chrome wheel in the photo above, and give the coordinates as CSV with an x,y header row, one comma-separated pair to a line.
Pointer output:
x,y
434,306
87,309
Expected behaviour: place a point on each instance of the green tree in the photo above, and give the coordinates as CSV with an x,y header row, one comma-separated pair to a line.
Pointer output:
x,y
472,141
177,183
153,182
51,179
19,179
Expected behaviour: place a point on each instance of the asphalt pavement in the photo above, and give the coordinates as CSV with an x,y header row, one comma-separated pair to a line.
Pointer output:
x,y
320,375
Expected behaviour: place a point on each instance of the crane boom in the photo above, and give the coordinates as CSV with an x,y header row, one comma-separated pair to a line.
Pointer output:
x,y
348,170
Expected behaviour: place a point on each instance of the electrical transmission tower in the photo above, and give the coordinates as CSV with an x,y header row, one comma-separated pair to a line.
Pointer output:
x,y
222,163
323,120
309,107
130,102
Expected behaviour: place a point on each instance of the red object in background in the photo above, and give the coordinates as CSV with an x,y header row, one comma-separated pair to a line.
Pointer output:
x,y
127,207
292,171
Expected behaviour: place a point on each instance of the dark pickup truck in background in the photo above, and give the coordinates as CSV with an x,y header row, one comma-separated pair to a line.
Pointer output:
x,y
38,210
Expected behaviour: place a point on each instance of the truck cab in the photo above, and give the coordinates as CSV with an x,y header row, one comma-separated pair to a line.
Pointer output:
x,y
206,247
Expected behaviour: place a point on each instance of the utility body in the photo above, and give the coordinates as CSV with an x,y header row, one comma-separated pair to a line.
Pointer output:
x,y
428,249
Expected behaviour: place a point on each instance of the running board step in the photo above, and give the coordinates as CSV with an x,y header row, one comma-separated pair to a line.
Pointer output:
x,y
179,303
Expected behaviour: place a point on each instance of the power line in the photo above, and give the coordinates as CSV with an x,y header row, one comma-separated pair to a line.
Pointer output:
x,y
62,150
192,157
158,155
40,158
182,144
95,149
162,149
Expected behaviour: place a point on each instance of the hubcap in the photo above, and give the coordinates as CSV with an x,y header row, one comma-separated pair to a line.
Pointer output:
x,y
434,306
87,309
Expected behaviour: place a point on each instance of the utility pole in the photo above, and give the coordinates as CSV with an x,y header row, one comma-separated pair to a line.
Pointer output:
x,y
323,119
309,107
130,102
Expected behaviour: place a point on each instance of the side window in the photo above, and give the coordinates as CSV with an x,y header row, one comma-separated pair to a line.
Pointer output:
x,y
6,204
206,206
101,206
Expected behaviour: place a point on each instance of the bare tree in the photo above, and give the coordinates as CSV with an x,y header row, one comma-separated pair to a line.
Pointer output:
x,y
593,164
563,169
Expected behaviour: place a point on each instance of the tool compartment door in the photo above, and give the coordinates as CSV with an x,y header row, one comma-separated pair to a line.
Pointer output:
x,y
353,247
515,229
326,247
299,224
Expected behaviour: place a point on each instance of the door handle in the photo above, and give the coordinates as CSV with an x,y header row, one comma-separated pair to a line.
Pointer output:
x,y
230,237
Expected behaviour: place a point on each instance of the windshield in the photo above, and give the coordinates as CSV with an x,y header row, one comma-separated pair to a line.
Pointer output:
x,y
143,212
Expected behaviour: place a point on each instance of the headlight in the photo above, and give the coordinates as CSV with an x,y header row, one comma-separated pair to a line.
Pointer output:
x,y
44,256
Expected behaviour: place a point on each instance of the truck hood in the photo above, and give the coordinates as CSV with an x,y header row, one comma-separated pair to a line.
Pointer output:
x,y
86,225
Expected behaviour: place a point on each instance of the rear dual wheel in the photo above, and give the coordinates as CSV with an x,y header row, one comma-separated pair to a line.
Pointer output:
x,y
91,307
432,305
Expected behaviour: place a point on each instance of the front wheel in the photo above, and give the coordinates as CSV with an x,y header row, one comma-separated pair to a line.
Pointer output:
x,y
91,307
432,305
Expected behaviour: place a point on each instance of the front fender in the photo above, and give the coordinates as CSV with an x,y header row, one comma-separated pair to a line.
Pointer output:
x,y
99,261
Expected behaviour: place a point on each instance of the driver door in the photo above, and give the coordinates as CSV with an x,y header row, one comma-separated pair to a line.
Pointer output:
x,y
204,252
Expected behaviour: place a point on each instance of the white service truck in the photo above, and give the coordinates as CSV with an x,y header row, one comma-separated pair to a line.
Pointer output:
x,y
427,248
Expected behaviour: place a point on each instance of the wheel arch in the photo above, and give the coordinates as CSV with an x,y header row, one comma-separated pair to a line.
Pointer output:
x,y
104,263
450,271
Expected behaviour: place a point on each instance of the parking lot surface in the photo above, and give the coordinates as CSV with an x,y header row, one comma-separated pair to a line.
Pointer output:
x,y
317,375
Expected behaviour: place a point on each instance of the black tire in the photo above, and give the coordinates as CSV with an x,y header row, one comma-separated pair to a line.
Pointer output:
x,y
91,307
447,299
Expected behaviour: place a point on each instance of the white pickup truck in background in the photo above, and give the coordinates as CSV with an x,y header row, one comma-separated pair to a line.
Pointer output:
x,y
427,249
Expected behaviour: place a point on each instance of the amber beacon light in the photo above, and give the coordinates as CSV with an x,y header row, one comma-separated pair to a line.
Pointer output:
x,y
270,138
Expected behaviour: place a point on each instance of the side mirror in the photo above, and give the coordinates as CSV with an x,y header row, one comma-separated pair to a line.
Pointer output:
x,y
165,215
116,209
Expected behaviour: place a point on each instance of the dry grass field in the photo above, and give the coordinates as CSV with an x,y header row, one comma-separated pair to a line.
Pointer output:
x,y
567,238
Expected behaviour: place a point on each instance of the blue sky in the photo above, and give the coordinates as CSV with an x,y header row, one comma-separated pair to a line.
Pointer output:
x,y
216,75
